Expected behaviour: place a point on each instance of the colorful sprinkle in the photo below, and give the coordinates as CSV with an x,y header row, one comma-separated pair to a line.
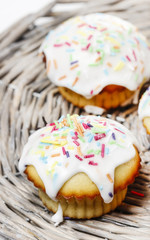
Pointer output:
x,y
137,193
78,157
99,136
109,177
103,150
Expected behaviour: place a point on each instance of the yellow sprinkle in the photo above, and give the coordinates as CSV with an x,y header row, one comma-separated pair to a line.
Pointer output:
x,y
66,165
61,78
48,66
55,155
55,64
54,164
109,177
112,40
75,42
121,139
41,152
119,66
70,147
63,143
56,146
82,33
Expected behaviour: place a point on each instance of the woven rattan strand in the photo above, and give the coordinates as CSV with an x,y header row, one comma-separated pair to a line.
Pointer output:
x,y
26,96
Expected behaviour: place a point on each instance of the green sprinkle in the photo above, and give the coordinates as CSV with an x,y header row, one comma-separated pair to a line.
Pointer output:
x,y
70,57
112,142
97,152
90,49
78,73
56,134
99,41
97,130
119,145
64,134
90,151
94,64
115,50
56,123
69,120
81,138
40,146
130,31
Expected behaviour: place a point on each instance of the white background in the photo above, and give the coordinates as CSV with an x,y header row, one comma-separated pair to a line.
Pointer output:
x,y
13,10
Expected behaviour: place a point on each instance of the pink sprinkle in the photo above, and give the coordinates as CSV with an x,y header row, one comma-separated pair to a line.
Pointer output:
x,y
92,27
104,124
81,25
89,37
54,129
78,157
103,150
136,40
87,47
99,136
85,126
103,29
51,124
134,55
78,144
89,156
127,57
63,150
42,135
58,45
67,43
76,133
91,92
75,137
92,163
119,130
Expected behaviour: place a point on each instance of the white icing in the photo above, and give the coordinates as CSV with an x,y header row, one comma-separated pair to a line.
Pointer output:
x,y
144,105
58,216
115,148
118,51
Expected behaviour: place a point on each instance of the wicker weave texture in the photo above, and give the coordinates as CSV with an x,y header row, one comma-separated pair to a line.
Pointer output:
x,y
26,96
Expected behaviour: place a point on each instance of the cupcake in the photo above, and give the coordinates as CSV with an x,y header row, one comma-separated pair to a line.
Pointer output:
x,y
144,110
96,59
81,165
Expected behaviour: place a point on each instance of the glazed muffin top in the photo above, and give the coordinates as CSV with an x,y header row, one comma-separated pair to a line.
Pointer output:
x,y
92,145
88,53
144,105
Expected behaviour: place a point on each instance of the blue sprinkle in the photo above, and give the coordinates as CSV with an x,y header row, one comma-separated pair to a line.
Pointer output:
x,y
101,188
61,118
87,134
67,154
45,143
101,45
113,54
107,151
59,164
113,136
90,138
89,125
106,72
74,62
55,176
70,50
123,59
72,133
98,143
110,194
44,159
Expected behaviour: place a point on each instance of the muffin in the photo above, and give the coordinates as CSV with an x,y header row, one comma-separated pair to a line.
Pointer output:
x,y
96,59
144,110
81,165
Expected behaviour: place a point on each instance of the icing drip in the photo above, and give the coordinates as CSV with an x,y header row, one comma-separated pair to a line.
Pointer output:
x,y
89,144
58,216
87,53
144,105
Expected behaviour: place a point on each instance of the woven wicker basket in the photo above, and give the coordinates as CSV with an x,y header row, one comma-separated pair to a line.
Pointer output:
x,y
26,96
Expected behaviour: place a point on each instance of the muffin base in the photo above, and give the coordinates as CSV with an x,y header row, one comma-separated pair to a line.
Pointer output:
x,y
146,124
106,99
84,208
